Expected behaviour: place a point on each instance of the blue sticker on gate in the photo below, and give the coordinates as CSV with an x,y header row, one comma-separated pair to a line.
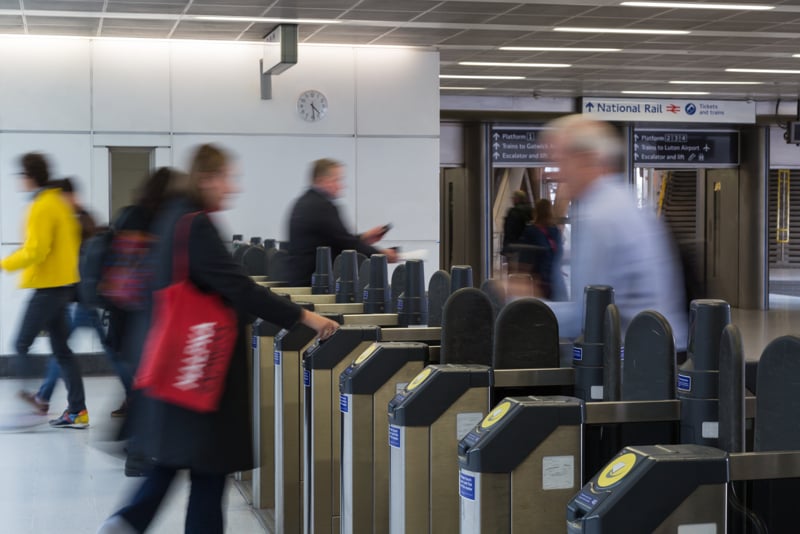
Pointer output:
x,y
276,357
306,378
577,354
684,383
622,354
587,500
344,403
466,486
255,342
394,436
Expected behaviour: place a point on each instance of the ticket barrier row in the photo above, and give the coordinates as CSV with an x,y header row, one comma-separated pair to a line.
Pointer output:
x,y
701,490
524,462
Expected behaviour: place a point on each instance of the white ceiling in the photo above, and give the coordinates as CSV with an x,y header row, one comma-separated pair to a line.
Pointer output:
x,y
473,30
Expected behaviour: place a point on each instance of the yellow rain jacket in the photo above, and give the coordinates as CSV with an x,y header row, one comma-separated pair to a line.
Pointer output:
x,y
49,255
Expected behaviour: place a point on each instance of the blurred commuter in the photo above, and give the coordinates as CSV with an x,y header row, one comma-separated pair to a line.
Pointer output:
x,y
517,216
48,259
315,222
543,258
78,314
209,445
136,223
614,242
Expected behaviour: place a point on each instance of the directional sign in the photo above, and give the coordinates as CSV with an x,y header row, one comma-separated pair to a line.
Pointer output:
x,y
685,148
664,110
516,147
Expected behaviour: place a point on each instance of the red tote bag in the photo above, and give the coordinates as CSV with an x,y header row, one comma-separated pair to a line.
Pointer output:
x,y
191,339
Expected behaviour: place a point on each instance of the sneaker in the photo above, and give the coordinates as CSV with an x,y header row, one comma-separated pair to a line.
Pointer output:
x,y
122,411
41,406
71,420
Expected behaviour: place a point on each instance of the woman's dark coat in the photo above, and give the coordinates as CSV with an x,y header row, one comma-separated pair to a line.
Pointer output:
x,y
219,442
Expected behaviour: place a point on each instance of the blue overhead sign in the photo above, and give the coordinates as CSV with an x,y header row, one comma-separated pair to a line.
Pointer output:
x,y
657,110
685,148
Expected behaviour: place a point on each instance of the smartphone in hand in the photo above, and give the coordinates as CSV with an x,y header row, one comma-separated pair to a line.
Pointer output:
x,y
386,228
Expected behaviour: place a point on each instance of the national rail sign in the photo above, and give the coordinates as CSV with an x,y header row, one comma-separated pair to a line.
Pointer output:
x,y
517,147
670,110
685,148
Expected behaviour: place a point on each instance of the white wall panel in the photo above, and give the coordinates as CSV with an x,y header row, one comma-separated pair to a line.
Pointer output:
x,y
781,153
272,172
397,91
44,84
130,85
398,182
68,154
216,88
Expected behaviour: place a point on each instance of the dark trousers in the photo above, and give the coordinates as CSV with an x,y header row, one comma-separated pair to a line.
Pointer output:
x,y
204,515
79,315
46,312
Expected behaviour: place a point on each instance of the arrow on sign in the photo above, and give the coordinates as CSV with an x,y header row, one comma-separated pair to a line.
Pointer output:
x,y
496,155
636,146
636,137
589,106
496,136
496,146
635,155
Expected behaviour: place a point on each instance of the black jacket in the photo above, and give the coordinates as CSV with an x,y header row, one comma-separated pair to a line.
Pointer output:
x,y
218,442
315,222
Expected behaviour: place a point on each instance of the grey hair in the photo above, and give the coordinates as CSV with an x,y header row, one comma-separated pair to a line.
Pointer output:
x,y
583,135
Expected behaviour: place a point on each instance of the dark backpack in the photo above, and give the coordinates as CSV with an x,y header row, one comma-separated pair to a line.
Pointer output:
x,y
94,256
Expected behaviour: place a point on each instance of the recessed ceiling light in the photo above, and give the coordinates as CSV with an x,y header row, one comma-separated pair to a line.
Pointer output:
x,y
478,77
557,49
665,92
501,64
619,30
795,55
462,88
696,82
765,71
220,18
695,5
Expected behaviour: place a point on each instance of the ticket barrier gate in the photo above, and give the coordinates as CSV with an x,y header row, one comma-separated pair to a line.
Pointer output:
x,y
671,489
323,365
287,362
426,421
521,459
366,387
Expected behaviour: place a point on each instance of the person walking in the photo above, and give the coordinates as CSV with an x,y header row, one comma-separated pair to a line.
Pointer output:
x,y
315,222
48,259
210,445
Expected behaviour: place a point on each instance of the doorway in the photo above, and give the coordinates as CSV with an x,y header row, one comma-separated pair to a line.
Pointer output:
x,y
128,168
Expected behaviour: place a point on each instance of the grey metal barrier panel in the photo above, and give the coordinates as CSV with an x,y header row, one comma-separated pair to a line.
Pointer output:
x,y
526,336
438,292
467,328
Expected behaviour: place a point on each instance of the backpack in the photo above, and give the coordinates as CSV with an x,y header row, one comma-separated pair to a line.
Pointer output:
x,y
114,267
94,254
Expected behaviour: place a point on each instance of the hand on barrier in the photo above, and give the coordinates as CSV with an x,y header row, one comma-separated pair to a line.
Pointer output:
x,y
324,327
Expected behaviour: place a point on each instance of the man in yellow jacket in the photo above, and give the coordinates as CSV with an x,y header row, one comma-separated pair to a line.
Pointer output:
x,y
48,259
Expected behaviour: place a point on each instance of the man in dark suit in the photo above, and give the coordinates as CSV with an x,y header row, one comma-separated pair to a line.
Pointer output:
x,y
315,222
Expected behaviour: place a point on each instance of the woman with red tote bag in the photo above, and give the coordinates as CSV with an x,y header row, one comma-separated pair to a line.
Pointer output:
x,y
211,442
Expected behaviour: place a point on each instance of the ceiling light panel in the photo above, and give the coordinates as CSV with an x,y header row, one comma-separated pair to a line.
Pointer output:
x,y
511,64
709,82
700,5
765,71
478,77
665,93
629,31
557,49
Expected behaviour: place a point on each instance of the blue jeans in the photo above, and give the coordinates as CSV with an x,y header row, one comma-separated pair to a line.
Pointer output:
x,y
46,311
78,316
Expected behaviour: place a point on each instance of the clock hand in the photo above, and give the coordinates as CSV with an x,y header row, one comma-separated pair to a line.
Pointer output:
x,y
315,110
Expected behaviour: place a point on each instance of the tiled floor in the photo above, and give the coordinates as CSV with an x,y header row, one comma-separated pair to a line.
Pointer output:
x,y
60,481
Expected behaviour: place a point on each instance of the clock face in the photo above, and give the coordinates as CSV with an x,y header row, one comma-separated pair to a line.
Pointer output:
x,y
312,105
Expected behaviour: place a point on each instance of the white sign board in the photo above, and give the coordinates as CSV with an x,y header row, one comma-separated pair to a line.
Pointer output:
x,y
665,110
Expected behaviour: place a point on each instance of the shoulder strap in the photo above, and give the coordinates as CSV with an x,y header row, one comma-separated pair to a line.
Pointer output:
x,y
180,247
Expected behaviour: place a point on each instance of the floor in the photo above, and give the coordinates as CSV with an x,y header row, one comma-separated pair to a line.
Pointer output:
x,y
68,481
